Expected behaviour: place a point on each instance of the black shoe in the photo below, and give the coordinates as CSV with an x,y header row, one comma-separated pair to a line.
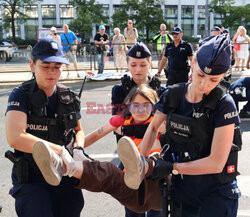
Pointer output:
x,y
244,114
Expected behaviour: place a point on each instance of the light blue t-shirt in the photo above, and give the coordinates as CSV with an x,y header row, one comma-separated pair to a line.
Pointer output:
x,y
71,37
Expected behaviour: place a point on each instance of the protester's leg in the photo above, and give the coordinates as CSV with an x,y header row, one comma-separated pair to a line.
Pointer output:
x,y
99,177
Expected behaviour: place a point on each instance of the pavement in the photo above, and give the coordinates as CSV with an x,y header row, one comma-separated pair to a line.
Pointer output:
x,y
14,74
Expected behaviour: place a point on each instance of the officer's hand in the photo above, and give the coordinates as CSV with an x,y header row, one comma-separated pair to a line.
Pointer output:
x,y
69,162
162,169
78,155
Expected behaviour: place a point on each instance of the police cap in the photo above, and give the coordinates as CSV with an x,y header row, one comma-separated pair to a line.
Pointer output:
x,y
177,30
216,28
214,56
49,50
139,51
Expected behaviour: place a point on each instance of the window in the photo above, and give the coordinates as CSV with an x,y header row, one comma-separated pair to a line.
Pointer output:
x,y
201,11
31,11
66,11
187,19
49,11
171,11
187,11
105,10
48,15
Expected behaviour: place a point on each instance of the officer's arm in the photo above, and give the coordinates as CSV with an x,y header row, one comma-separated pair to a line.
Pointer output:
x,y
162,63
216,161
98,134
151,133
80,137
18,138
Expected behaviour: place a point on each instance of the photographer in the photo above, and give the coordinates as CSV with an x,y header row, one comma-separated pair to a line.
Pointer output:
x,y
53,34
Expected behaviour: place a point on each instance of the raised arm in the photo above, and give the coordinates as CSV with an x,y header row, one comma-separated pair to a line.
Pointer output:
x,y
151,133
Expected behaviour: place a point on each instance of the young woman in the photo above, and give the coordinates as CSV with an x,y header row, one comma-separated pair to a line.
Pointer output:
x,y
137,114
243,39
39,110
196,128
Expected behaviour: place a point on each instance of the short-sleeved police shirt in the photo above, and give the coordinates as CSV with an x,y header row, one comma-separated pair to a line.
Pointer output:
x,y
224,114
18,101
178,56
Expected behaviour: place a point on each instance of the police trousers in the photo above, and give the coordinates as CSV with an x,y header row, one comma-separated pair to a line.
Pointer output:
x,y
43,200
106,177
175,77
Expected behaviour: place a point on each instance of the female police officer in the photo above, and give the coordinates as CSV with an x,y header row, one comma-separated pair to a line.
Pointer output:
x,y
41,109
200,129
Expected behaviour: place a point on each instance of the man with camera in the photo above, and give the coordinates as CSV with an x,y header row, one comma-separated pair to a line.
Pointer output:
x,y
69,42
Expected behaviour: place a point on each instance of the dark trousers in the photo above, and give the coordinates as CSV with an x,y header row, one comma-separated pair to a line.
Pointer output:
x,y
40,200
175,77
106,177
238,98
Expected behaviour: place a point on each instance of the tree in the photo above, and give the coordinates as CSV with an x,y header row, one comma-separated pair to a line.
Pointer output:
x,y
233,16
88,12
14,14
146,14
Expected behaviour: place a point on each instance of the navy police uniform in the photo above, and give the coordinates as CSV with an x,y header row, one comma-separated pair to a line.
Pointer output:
x,y
240,91
178,60
47,118
119,93
189,131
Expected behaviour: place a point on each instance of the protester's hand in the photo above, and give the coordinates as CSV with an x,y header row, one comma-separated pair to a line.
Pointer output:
x,y
162,169
69,162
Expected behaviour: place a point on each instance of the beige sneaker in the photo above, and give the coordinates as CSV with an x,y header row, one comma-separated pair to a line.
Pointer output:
x,y
134,163
49,163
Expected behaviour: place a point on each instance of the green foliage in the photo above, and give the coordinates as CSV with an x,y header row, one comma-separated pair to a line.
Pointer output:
x,y
88,12
14,15
146,14
22,42
234,16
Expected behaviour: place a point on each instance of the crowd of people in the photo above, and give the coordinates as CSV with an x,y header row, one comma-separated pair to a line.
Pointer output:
x,y
175,133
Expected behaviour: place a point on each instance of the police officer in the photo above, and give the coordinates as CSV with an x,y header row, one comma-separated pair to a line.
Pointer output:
x,y
202,160
178,52
139,64
240,91
41,109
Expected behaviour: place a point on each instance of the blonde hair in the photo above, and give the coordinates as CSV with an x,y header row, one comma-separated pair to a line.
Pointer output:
x,y
242,29
143,90
117,29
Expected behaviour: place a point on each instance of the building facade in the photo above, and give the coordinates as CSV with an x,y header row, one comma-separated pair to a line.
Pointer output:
x,y
189,14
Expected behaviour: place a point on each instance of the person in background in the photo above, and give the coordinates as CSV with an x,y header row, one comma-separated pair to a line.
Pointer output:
x,y
131,34
43,110
242,53
119,50
53,34
101,42
240,91
177,53
162,38
248,62
69,42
